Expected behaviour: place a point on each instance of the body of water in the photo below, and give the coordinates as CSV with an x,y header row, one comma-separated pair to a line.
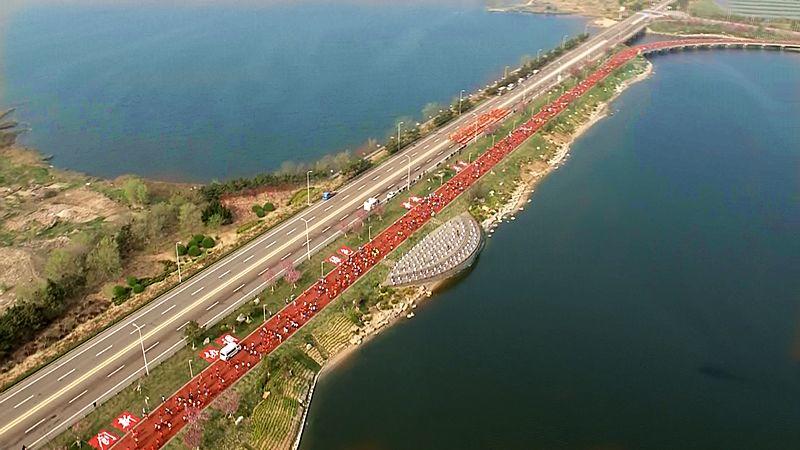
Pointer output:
x,y
202,90
648,298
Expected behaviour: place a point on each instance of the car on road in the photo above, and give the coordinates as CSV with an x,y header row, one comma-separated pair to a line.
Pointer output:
x,y
229,351
327,195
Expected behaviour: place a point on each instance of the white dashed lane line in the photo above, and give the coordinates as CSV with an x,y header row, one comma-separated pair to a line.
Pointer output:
x,y
286,256
237,289
328,208
168,310
134,330
376,178
270,244
151,347
291,231
78,396
118,369
20,403
65,375
181,327
103,351
326,229
198,290
212,305
224,273
344,217
35,425
361,187
248,258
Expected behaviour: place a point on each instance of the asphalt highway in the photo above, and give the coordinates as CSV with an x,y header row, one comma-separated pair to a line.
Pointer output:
x,y
48,401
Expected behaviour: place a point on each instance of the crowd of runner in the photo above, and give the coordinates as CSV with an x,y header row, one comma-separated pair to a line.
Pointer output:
x,y
153,431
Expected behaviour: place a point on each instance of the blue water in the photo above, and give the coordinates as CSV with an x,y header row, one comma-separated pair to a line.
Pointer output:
x,y
215,91
648,297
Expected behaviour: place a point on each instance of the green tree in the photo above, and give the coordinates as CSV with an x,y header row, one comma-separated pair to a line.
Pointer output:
x,y
103,262
216,208
64,262
190,217
431,110
193,332
135,191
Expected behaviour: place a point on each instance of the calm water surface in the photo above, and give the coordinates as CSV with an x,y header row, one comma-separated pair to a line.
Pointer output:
x,y
647,299
203,92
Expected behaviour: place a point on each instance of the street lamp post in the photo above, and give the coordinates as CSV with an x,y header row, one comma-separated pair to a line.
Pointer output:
x,y
398,135
460,99
322,269
191,372
408,174
178,261
475,138
141,342
369,232
563,41
505,72
264,308
308,186
308,241
538,55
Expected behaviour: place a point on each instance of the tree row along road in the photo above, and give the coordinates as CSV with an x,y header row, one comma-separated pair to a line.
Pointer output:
x,y
62,392
168,419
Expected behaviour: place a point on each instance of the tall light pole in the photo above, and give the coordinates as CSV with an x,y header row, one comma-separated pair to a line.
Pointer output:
x,y
563,41
460,99
505,72
308,241
308,186
144,355
191,372
538,55
369,232
178,261
475,138
408,175
398,135
322,269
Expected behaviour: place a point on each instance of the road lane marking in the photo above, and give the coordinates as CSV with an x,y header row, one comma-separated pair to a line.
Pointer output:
x,y
291,231
78,396
344,217
181,327
270,244
329,207
345,197
376,178
118,369
135,330
201,288
239,287
20,403
286,256
361,187
65,375
248,258
212,305
35,425
225,273
325,229
261,273
103,351
168,309
151,347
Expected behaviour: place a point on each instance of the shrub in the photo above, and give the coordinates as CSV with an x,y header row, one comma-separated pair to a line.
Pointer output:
x,y
138,288
132,281
196,239
208,242
269,207
120,293
260,213
194,251
216,208
181,249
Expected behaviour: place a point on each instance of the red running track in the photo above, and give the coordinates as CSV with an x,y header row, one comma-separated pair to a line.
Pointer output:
x,y
153,431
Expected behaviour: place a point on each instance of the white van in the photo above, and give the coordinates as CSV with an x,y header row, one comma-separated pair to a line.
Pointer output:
x,y
228,352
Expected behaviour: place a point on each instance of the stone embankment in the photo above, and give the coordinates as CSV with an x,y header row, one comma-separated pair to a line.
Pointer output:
x,y
441,254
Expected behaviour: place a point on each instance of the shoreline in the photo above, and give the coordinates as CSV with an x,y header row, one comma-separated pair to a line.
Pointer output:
x,y
520,196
